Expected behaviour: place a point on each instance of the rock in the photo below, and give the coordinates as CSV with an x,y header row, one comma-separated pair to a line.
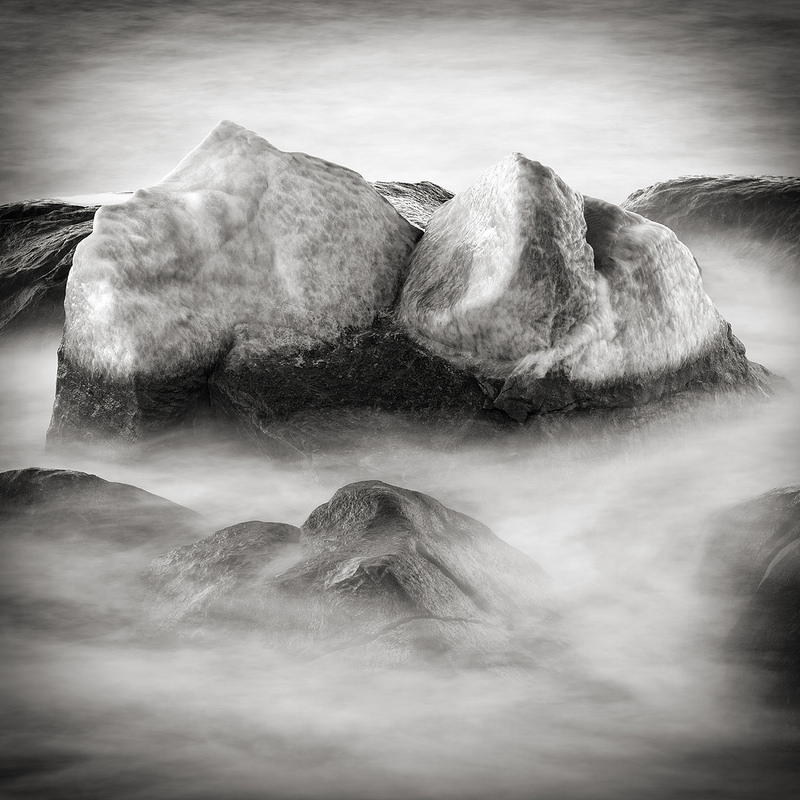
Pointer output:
x,y
755,555
47,502
416,202
566,302
283,293
504,268
71,545
241,241
209,579
37,240
757,215
295,402
381,571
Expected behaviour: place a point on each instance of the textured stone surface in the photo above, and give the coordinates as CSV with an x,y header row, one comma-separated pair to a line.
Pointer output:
x,y
37,240
274,289
416,202
758,214
240,239
503,269
755,555
569,302
381,571
652,330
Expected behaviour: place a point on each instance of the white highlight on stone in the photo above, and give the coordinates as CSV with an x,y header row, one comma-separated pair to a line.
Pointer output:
x,y
504,268
240,239
504,282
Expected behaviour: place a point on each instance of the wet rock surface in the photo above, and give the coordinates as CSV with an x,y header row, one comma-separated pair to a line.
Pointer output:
x,y
414,201
37,242
379,572
756,215
244,289
755,556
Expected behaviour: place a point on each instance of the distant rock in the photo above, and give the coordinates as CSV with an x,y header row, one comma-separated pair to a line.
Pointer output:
x,y
48,502
37,240
755,555
241,243
414,201
759,215
378,571
72,544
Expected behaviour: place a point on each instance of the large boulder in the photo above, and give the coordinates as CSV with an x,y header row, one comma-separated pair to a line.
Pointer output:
x,y
283,292
756,215
37,242
566,302
71,545
240,242
381,571
754,556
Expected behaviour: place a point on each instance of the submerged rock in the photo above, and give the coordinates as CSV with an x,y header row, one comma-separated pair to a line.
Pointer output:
x,y
71,545
755,555
382,571
758,215
240,242
37,241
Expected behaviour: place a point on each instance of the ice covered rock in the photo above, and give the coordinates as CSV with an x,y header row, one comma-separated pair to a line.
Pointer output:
x,y
379,570
241,240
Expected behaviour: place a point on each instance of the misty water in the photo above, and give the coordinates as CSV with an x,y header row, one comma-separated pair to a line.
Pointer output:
x,y
639,701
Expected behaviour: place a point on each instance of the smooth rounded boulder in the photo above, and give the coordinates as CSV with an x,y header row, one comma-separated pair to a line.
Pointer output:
x,y
72,545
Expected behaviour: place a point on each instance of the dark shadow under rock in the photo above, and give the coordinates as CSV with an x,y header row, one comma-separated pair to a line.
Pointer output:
x,y
379,573
754,555
277,396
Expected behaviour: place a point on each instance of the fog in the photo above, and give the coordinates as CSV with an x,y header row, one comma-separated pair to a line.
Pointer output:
x,y
638,699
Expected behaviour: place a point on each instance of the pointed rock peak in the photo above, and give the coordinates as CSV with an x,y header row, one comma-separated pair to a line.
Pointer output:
x,y
504,268
241,240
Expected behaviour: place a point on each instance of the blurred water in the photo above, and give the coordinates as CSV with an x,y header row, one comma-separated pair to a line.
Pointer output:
x,y
613,95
